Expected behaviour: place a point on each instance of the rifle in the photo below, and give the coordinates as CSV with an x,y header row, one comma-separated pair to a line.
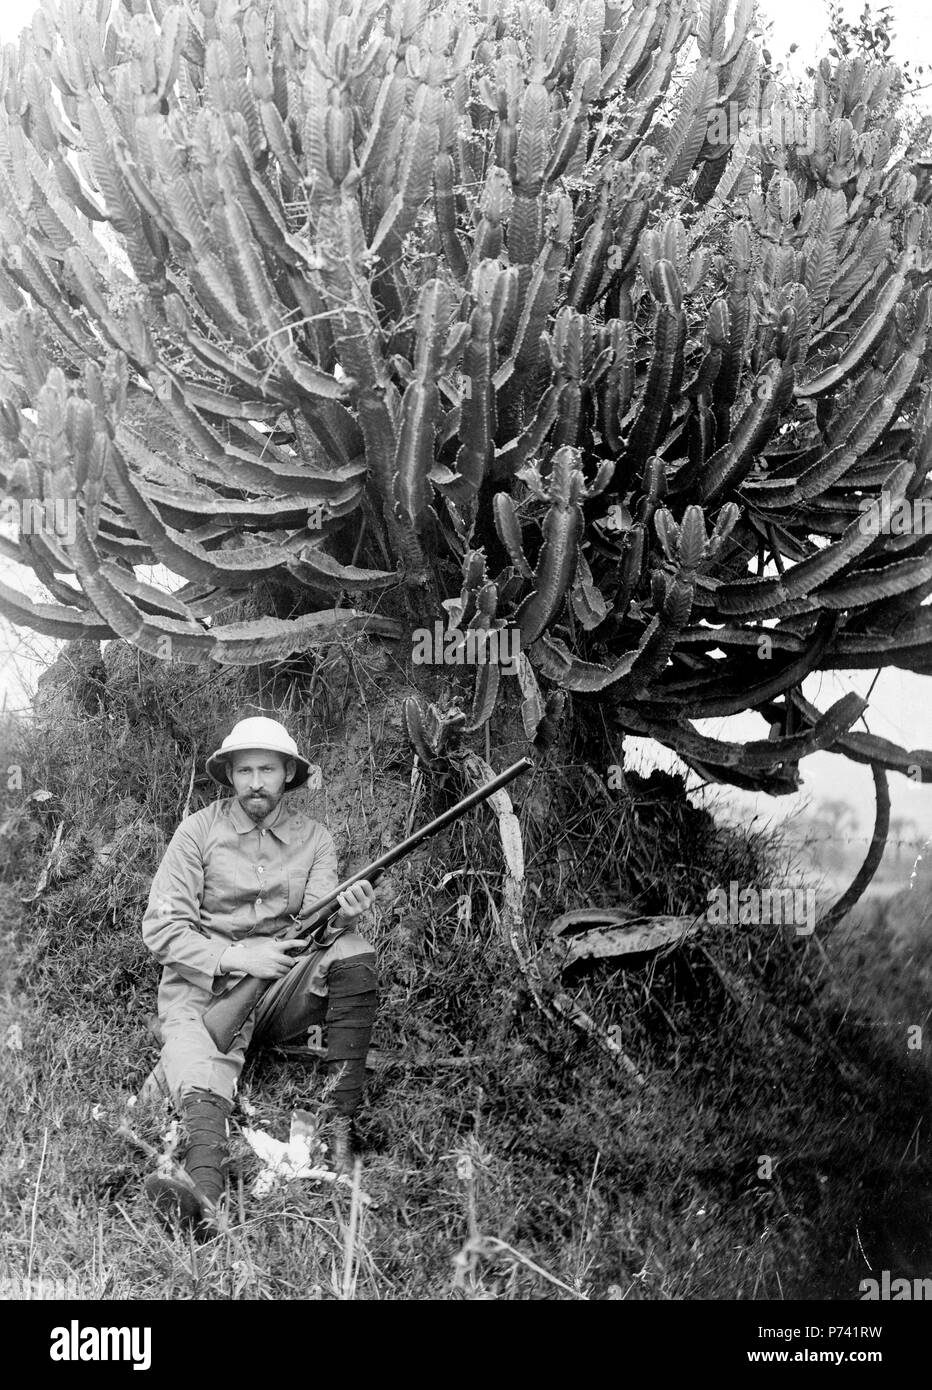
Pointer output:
x,y
224,1017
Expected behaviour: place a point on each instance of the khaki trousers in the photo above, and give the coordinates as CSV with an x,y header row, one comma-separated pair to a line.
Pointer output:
x,y
293,1005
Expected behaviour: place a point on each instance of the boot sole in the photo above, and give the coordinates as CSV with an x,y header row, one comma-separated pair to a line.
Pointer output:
x,y
173,1201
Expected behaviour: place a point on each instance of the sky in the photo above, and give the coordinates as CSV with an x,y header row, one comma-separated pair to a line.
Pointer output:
x,y
13,15
901,703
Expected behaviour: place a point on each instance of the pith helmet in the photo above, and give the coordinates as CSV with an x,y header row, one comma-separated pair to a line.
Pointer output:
x,y
258,732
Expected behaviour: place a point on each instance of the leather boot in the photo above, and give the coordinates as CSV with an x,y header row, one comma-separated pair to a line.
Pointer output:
x,y
206,1155
352,996
207,1152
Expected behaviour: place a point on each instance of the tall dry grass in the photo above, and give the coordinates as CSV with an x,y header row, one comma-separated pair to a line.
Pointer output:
x,y
505,1156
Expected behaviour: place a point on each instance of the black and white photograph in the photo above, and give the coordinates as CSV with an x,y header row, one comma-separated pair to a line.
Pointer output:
x,y
465,617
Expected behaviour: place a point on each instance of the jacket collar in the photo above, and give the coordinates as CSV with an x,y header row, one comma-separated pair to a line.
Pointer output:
x,y
280,826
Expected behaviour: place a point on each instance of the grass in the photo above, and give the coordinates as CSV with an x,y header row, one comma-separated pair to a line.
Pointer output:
x,y
776,1145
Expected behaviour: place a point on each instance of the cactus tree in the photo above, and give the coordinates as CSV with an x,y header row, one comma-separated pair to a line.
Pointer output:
x,y
522,316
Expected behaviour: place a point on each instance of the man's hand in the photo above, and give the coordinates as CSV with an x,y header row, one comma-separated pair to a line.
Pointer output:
x,y
357,899
263,957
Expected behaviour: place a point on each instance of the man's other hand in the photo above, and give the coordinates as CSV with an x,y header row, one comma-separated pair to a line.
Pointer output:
x,y
357,899
264,958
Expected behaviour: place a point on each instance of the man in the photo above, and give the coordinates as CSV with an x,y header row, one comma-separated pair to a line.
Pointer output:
x,y
233,876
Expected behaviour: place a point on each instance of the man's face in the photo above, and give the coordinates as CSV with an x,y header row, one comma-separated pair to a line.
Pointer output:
x,y
259,779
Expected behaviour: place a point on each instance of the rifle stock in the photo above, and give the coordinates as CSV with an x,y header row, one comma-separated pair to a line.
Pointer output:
x,y
224,1017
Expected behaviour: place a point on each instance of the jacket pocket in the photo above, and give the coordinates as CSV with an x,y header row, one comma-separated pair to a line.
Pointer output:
x,y
297,882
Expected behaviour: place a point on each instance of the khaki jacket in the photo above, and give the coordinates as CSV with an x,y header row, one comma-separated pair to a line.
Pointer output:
x,y
223,878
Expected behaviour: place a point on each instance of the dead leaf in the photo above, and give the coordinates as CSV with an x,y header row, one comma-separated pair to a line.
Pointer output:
x,y
646,936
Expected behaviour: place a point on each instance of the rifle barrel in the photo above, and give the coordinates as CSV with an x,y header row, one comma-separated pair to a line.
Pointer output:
x,y
404,847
